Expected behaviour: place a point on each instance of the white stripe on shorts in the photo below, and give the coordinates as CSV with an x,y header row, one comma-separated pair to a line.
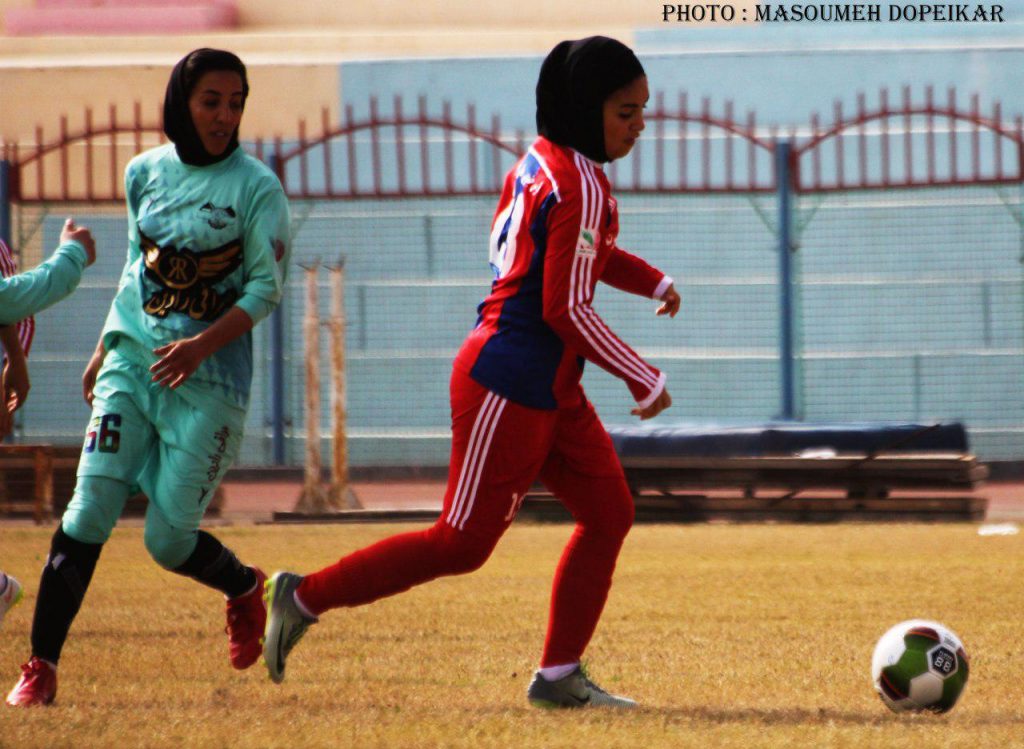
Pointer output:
x,y
473,463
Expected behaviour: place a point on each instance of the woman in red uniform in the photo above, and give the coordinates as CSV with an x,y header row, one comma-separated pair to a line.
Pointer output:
x,y
518,410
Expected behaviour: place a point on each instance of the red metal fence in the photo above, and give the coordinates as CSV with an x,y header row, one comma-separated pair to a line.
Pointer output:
x,y
67,168
686,149
873,161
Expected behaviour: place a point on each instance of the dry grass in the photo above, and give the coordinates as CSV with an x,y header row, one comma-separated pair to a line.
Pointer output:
x,y
730,636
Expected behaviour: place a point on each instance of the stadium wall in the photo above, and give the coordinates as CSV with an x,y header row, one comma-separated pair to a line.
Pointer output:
x,y
910,301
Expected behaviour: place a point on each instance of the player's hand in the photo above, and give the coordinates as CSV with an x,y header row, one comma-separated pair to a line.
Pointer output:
x,y
80,234
670,302
89,375
16,382
663,401
178,360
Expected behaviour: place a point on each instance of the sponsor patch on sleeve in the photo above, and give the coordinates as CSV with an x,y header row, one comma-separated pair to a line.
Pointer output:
x,y
586,244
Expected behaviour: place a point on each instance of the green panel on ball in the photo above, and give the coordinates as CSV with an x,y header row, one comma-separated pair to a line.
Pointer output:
x,y
951,689
964,663
912,663
921,638
954,685
895,682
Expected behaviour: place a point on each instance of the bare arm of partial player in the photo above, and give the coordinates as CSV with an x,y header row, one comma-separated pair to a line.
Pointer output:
x,y
33,291
12,345
15,373
6,419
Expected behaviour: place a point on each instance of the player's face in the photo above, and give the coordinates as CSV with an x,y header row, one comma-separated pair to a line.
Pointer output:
x,y
624,117
216,107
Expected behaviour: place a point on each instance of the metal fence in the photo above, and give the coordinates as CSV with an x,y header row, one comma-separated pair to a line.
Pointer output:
x,y
864,268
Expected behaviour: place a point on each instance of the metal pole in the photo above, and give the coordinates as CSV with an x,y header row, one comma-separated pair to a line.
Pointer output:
x,y
784,181
277,385
5,201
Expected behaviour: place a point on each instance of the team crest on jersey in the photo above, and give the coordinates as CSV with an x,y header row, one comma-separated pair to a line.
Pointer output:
x,y
216,217
186,278
586,245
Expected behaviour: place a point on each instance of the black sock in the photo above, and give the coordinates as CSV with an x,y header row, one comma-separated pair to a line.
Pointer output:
x,y
215,565
62,587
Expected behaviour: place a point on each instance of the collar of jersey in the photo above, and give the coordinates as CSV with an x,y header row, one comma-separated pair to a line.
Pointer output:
x,y
223,164
583,156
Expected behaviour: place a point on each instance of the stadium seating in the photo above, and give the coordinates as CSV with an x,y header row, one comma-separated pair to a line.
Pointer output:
x,y
99,17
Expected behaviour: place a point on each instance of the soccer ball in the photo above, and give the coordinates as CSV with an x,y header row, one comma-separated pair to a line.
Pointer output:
x,y
919,665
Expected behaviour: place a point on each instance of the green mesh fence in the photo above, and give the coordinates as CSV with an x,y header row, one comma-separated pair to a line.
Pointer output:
x,y
911,309
910,306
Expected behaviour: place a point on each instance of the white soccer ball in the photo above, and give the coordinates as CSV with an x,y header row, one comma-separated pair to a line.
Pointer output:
x,y
919,665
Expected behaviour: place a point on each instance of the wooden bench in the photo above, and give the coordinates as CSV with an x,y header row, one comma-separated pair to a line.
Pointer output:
x,y
900,487
827,472
26,481
37,481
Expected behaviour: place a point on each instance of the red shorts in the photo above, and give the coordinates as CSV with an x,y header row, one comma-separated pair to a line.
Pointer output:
x,y
499,448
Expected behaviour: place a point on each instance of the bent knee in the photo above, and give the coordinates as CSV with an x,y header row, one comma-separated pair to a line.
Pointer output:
x,y
458,552
94,508
169,549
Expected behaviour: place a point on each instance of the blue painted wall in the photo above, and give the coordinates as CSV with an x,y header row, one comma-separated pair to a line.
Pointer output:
x,y
784,73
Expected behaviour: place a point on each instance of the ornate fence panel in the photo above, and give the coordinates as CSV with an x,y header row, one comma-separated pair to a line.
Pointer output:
x,y
903,260
911,144
83,165
908,271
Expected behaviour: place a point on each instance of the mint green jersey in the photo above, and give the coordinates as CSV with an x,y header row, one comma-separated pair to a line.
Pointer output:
x,y
200,241
30,292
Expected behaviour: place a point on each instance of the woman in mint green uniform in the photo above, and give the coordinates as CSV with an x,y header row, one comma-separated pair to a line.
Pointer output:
x,y
208,244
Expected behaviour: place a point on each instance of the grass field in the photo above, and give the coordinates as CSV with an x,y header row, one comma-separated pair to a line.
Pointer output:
x,y
730,636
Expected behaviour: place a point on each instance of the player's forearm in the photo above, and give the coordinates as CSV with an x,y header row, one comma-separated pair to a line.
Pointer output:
x,y
581,329
627,272
32,291
100,351
12,346
233,324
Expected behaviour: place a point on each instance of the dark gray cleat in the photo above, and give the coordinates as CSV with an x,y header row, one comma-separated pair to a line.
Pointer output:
x,y
285,623
573,690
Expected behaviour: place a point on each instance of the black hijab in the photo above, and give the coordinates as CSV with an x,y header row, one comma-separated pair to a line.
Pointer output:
x,y
575,79
178,123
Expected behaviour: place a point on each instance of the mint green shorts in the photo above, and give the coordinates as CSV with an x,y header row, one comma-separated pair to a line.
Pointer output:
x,y
147,436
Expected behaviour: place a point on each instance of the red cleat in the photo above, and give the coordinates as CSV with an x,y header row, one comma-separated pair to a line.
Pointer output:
x,y
247,616
37,685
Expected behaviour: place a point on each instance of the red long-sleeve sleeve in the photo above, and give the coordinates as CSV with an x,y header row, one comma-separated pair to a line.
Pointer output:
x,y
627,272
574,261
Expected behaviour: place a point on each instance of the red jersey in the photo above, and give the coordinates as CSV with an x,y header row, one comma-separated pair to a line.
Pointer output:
x,y
552,239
